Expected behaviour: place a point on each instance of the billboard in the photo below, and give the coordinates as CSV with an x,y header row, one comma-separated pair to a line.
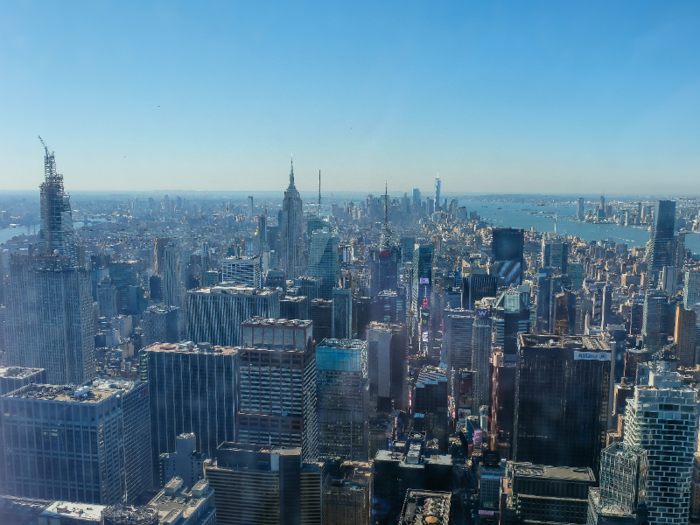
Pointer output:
x,y
424,280
591,356
482,313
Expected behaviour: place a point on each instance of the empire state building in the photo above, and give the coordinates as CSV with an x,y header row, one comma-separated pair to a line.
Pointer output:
x,y
291,244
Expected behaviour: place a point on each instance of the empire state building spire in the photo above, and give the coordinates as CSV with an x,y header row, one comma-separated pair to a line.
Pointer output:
x,y
291,177
291,245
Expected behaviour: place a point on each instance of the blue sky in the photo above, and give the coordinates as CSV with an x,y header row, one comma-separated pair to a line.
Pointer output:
x,y
496,96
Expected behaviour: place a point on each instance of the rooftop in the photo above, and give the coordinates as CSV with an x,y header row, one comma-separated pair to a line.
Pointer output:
x,y
68,394
342,343
423,507
546,471
234,289
82,511
298,323
18,372
189,347
260,449
570,342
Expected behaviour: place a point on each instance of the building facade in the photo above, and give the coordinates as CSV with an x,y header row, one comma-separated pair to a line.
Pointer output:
x,y
215,314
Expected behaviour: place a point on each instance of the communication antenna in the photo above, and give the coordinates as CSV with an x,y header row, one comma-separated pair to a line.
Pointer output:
x,y
386,205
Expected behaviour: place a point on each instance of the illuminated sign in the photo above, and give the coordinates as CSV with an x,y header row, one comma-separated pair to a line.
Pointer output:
x,y
424,280
592,356
425,304
424,337
482,313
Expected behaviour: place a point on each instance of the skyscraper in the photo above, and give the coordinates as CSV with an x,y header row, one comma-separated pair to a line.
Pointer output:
x,y
49,318
277,385
684,336
94,445
173,287
49,301
662,418
555,253
562,394
242,270
580,215
457,338
691,290
342,386
192,389
256,484
57,236
324,259
662,243
384,268
291,244
655,322
438,184
481,356
507,247
342,314
215,314
623,471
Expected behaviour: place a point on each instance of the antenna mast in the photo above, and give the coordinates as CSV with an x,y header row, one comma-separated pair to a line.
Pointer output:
x,y
386,205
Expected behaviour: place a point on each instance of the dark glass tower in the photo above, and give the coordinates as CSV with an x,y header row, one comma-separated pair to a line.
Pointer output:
x,y
507,246
662,244
562,390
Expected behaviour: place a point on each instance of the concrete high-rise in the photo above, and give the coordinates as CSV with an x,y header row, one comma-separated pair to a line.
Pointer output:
x,y
662,419
476,284
563,389
342,386
184,462
555,253
481,358
291,245
242,270
173,287
161,324
685,335
691,290
384,268
623,471
662,245
277,385
215,314
94,446
386,351
49,318
457,338
256,484
192,390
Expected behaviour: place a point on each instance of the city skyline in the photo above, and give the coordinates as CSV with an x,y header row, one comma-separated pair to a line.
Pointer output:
x,y
528,98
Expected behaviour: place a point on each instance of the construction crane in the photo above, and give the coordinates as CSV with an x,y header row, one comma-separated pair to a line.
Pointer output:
x,y
44,144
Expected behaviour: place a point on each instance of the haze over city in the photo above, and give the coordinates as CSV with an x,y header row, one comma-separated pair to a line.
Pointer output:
x,y
519,97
